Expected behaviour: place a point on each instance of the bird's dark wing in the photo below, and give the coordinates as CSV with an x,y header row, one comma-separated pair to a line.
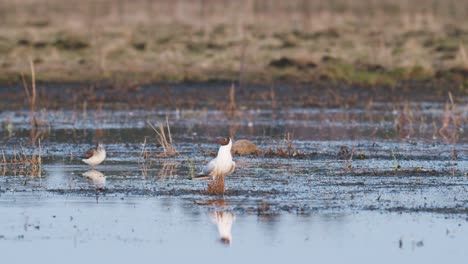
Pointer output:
x,y
207,170
89,153
201,177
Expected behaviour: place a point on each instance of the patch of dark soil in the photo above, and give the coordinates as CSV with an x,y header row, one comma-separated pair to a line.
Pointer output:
x,y
440,210
70,44
40,44
327,33
193,95
402,172
461,72
331,59
376,68
139,46
23,42
285,62
159,192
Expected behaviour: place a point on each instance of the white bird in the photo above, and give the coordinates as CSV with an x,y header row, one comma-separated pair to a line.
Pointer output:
x,y
94,156
222,165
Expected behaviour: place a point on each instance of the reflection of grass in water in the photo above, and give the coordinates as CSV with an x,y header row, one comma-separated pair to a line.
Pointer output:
x,y
145,159
168,169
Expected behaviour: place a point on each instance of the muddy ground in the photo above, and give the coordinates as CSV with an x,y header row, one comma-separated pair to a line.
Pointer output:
x,y
398,159
353,148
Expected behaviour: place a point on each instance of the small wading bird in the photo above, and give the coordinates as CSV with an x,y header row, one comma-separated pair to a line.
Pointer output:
x,y
219,167
94,156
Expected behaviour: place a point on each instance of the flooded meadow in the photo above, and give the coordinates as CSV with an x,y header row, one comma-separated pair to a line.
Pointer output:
x,y
364,172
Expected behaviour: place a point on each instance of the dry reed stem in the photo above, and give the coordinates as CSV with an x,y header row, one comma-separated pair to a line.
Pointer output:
x,y
144,152
33,86
291,151
451,121
24,163
145,155
273,98
349,163
404,122
231,107
31,98
169,149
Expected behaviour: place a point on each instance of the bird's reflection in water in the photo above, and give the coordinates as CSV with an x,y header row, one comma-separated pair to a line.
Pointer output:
x,y
223,219
95,177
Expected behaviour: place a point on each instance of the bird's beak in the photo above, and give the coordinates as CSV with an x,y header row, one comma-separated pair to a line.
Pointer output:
x,y
218,141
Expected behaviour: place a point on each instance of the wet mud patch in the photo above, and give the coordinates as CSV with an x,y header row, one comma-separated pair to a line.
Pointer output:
x,y
375,153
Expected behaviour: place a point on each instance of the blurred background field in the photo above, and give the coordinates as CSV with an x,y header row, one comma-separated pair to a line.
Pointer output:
x,y
359,41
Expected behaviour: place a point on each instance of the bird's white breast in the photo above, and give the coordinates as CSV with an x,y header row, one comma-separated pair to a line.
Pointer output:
x,y
96,158
224,160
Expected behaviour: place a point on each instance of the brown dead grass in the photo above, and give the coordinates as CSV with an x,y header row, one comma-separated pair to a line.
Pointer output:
x,y
22,162
452,121
165,141
285,149
198,40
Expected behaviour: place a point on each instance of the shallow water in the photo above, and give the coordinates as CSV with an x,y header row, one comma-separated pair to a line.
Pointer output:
x,y
402,196
121,229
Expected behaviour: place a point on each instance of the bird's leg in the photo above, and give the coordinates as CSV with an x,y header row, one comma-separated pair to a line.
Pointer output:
x,y
216,186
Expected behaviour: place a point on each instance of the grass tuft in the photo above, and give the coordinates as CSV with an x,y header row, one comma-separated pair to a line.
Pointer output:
x,y
165,141
23,162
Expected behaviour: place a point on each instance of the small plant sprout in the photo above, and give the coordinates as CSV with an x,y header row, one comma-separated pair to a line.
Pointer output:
x,y
395,161
191,168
